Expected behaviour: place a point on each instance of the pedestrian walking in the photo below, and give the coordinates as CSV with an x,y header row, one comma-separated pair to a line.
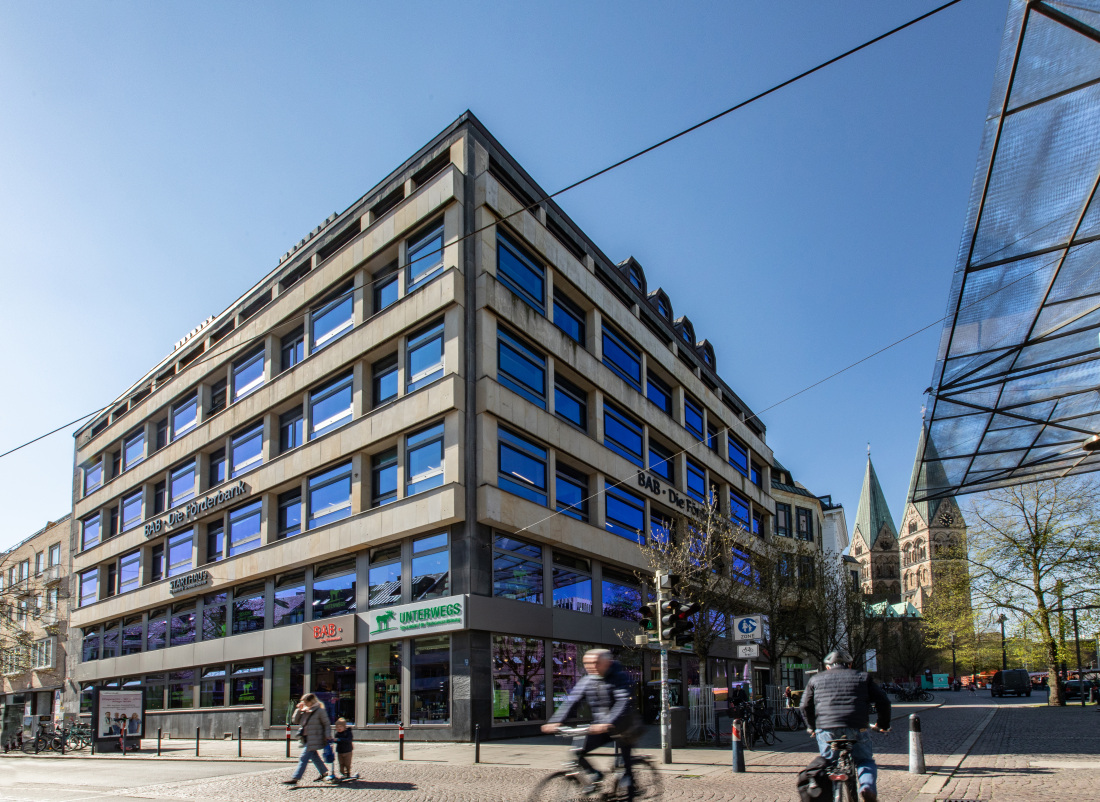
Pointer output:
x,y
344,747
314,732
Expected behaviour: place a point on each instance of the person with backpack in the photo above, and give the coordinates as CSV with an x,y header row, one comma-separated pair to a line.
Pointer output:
x,y
837,704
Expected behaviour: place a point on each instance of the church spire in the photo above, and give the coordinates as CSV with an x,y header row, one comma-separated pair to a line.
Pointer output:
x,y
873,513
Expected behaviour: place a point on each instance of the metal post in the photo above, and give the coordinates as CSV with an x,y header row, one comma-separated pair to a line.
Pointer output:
x,y
738,747
954,666
238,741
196,741
1077,643
158,741
401,741
477,743
916,746
288,740
666,745
1004,654
122,741
93,741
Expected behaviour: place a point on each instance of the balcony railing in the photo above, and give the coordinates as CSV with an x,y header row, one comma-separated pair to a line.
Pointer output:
x,y
51,575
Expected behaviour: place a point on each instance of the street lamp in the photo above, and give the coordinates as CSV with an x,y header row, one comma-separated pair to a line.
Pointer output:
x,y
1004,655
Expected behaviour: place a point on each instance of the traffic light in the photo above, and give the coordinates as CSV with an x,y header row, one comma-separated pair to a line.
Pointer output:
x,y
649,620
676,619
669,583
928,676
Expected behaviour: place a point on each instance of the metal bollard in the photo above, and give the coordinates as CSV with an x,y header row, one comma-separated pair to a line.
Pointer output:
x,y
401,741
238,741
738,749
122,741
196,741
158,741
288,740
477,743
93,743
916,746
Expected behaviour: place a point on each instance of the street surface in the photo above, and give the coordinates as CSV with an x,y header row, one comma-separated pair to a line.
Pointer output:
x,y
976,748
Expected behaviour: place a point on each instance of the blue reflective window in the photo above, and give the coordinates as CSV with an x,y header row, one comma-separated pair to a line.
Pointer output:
x,y
522,467
330,496
292,349
622,435
425,255
93,477
757,524
384,382
182,485
712,438
247,449
131,510
739,509
215,542
133,449
693,417
741,566
290,513
129,572
625,514
330,406
334,595
571,492
292,431
755,473
89,592
248,375
331,320
244,528
91,531
185,415
180,553
659,393
569,318
738,456
622,357
521,369
660,529
570,402
696,481
517,570
424,460
384,478
519,272
660,461
385,292
425,357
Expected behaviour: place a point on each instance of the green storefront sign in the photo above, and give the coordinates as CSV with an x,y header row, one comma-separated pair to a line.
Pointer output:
x,y
436,615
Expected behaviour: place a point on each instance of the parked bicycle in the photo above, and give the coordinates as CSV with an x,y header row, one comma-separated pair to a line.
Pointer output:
x,y
571,782
794,719
756,724
912,695
43,741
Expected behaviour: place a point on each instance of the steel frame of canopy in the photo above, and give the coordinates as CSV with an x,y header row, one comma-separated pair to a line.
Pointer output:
x,y
1053,421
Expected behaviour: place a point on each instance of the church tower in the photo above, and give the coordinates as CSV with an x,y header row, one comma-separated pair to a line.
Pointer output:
x,y
931,531
875,542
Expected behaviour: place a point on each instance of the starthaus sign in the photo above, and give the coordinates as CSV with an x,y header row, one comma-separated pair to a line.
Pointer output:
x,y
194,509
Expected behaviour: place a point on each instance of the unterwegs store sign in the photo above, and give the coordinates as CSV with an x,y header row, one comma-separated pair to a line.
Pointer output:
x,y
420,618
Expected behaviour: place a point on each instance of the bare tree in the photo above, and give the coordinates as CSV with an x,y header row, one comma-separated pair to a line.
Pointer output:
x,y
20,600
728,571
1034,549
825,610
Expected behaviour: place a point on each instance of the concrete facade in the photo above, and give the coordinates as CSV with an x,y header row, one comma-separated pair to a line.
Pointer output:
x,y
477,406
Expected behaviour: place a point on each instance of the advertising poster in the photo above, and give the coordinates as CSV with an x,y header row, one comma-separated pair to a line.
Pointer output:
x,y
119,712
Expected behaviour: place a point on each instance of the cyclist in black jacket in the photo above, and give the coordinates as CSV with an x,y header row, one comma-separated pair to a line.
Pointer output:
x,y
607,689
837,704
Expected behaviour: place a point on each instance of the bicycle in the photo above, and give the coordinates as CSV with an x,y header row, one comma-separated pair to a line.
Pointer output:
x,y
570,783
795,719
842,771
43,741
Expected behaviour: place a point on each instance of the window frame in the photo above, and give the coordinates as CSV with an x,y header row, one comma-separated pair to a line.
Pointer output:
x,y
417,341
624,419
527,452
240,367
345,295
514,281
416,244
571,312
620,342
256,430
429,437
324,479
564,387
175,430
525,355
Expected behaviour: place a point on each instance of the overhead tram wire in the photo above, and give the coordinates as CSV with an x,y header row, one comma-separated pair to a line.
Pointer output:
x,y
736,107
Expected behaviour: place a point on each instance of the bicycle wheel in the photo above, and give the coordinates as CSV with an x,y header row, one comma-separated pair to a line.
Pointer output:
x,y
926,696
845,791
29,746
748,734
561,786
794,719
647,780
767,731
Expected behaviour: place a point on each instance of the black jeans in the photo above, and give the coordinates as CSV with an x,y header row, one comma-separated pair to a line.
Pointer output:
x,y
582,746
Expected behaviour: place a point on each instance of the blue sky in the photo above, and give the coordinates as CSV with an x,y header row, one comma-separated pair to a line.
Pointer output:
x,y
157,159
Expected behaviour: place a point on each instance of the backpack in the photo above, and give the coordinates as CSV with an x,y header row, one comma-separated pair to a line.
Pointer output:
x,y
814,784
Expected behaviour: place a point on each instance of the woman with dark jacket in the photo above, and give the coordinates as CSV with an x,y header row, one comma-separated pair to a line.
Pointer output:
x,y
315,730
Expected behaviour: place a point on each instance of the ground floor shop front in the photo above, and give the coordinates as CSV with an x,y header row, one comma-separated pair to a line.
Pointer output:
x,y
422,665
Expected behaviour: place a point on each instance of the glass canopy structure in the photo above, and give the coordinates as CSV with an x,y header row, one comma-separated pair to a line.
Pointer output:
x,y
1016,386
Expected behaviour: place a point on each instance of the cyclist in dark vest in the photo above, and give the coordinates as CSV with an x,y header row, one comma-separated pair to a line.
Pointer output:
x,y
607,688
837,704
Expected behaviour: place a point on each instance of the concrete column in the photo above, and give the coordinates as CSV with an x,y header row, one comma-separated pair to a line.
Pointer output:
x,y
272,357
594,333
359,401
360,483
270,448
596,508
362,291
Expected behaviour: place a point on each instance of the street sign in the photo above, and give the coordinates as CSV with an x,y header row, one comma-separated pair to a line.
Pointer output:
x,y
747,628
748,650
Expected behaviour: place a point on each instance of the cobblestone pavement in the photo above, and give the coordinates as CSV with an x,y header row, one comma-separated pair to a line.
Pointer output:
x,y
1019,756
